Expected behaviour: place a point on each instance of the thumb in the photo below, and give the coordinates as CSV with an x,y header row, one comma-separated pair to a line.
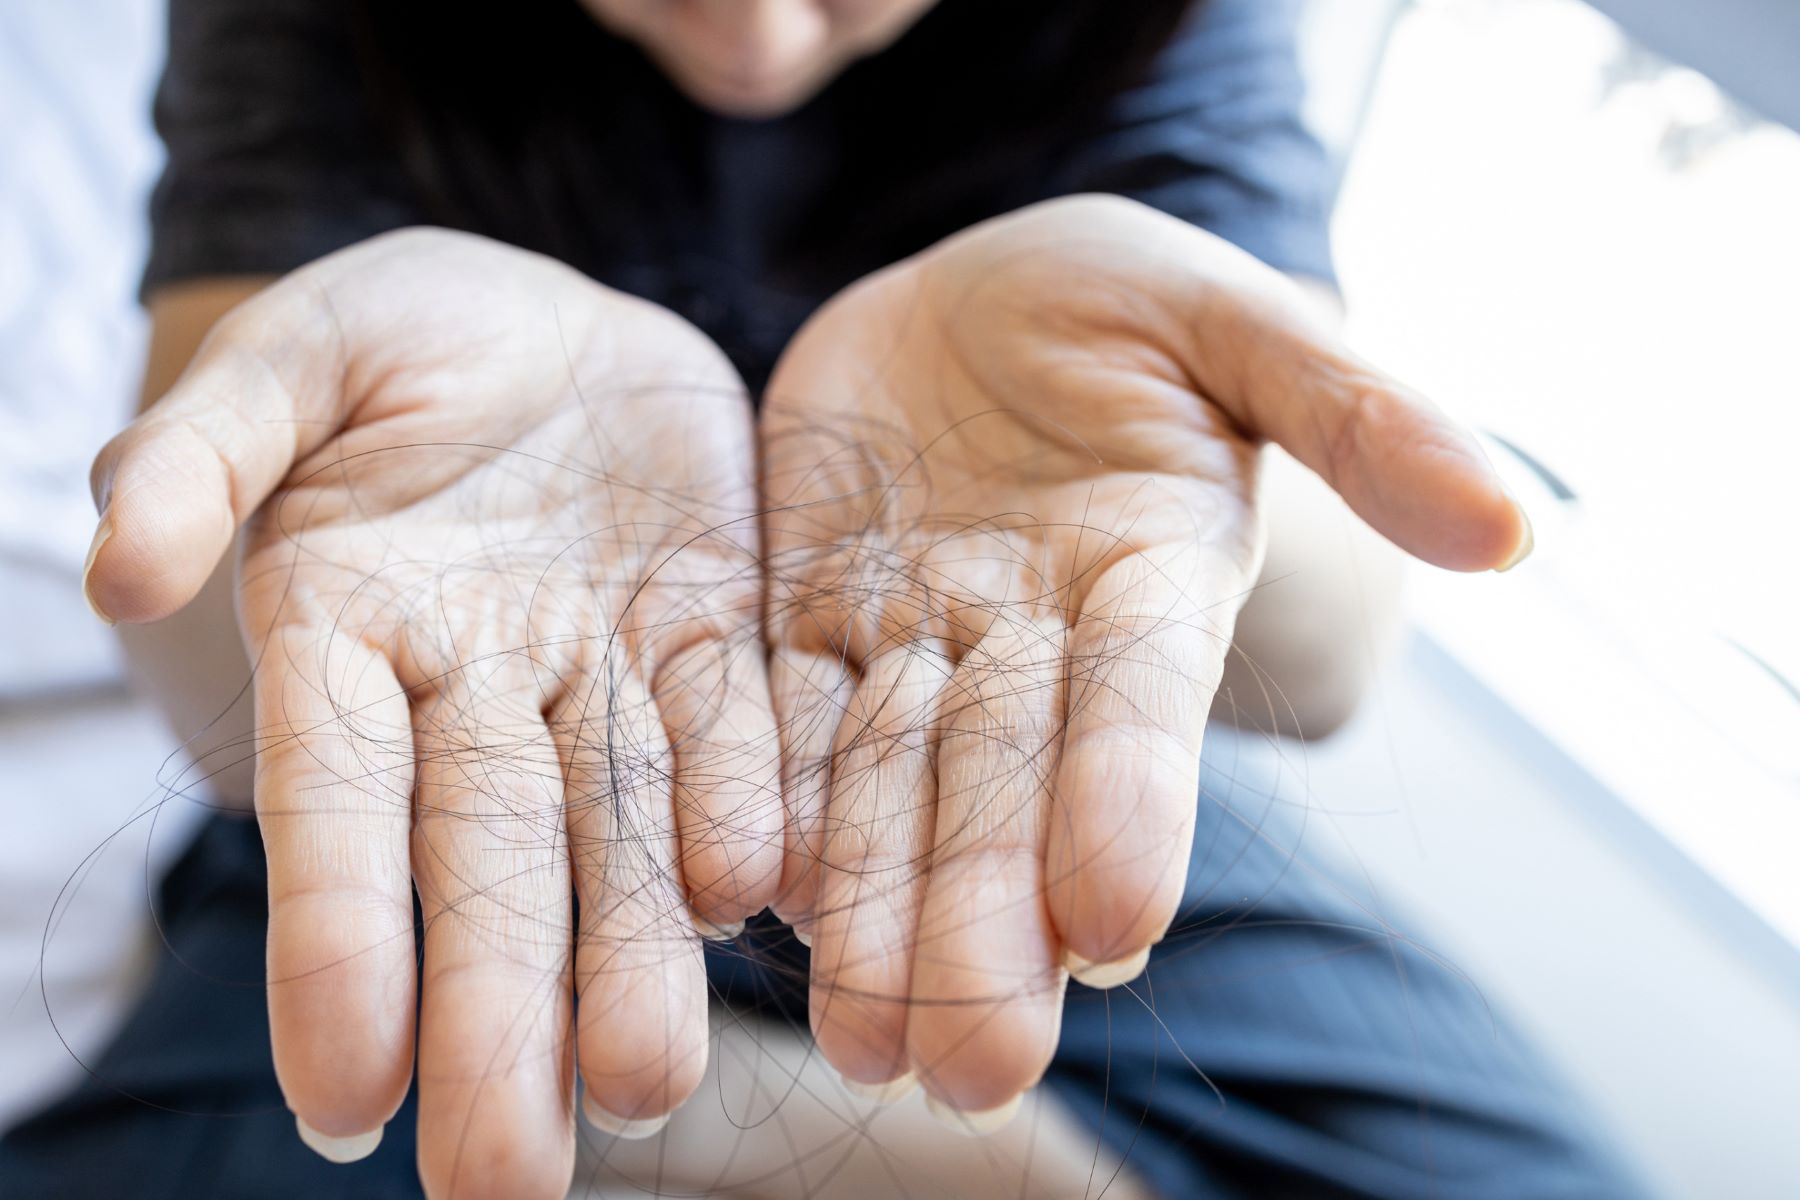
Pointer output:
x,y
173,488
1412,473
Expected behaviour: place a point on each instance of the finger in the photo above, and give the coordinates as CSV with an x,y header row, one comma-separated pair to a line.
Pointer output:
x,y
714,701
824,595
1145,657
334,780
987,977
876,844
1249,340
640,983
1256,347
811,692
490,860
175,485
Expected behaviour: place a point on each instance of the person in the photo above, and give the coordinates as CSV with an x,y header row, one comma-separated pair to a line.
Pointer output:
x,y
545,623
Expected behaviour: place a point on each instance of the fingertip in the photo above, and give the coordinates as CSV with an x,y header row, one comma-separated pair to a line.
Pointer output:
x,y
1103,975
856,1003
712,932
106,465
101,536
1483,531
1114,888
627,1128
165,489
1415,475
882,1093
974,1124
353,1148
151,555
730,882
1527,541
341,1000
1445,506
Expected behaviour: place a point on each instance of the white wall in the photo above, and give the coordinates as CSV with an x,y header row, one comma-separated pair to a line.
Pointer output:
x,y
1676,1016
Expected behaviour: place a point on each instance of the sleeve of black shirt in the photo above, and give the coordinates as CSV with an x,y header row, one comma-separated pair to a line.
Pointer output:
x,y
273,156
1213,133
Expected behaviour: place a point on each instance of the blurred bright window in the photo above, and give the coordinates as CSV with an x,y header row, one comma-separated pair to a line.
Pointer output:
x,y
1595,256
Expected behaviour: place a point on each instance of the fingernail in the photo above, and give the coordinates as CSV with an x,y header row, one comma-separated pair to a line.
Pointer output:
x,y
975,1124
100,490
621,1127
340,1149
882,1093
1106,974
717,933
87,568
1526,541
805,939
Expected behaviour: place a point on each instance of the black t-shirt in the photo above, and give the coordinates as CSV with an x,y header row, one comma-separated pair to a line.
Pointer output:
x,y
296,127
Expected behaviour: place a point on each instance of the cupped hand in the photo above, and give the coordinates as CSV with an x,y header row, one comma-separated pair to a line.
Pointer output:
x,y
500,584
1009,516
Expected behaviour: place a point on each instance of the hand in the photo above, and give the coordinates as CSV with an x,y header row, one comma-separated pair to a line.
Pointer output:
x,y
1009,521
500,585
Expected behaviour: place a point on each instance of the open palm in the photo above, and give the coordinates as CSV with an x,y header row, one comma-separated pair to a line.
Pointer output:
x,y
500,586
1009,516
